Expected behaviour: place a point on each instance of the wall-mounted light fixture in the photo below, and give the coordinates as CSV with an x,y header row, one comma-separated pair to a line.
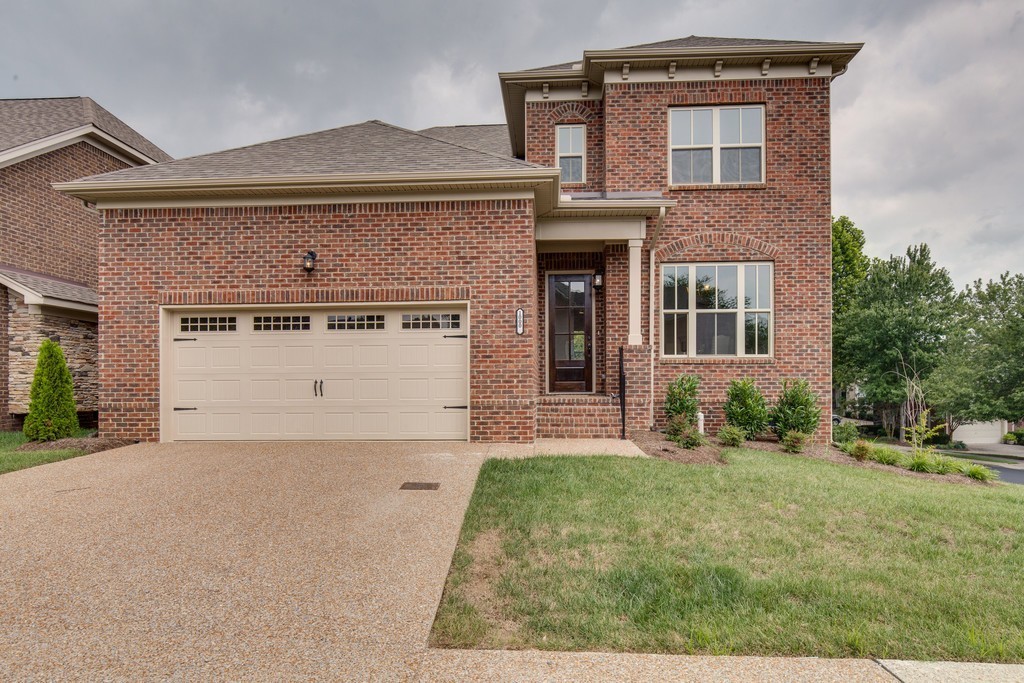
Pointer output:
x,y
598,279
309,261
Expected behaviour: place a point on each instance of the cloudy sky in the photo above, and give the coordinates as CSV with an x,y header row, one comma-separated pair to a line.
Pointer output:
x,y
927,124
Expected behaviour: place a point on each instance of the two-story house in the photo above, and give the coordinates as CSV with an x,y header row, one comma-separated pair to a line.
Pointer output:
x,y
646,212
49,241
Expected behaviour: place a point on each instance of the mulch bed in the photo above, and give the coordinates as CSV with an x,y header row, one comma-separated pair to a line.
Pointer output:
x,y
657,445
89,444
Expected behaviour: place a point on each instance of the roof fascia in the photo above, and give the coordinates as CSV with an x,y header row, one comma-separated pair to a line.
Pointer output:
x,y
87,133
35,299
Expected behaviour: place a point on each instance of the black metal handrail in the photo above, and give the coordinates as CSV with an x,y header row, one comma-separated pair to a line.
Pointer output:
x,y
622,390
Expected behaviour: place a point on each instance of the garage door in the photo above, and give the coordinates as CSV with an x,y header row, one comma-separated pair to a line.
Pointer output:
x,y
981,432
396,373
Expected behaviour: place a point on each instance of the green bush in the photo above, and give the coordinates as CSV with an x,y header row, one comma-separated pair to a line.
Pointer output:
x,y
1020,436
1009,438
746,408
945,465
884,455
795,442
861,450
921,462
51,408
681,398
683,432
958,445
731,436
980,472
796,410
845,432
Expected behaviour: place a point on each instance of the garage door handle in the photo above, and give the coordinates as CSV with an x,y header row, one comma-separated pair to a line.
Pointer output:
x,y
321,388
456,407
456,336
314,387
185,339
177,409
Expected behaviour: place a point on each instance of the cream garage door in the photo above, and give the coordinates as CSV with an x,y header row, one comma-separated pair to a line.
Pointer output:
x,y
395,373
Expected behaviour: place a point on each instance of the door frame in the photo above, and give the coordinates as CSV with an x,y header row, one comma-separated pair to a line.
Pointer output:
x,y
546,337
166,333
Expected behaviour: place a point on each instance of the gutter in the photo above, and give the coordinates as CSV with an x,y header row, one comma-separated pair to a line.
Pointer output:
x,y
651,299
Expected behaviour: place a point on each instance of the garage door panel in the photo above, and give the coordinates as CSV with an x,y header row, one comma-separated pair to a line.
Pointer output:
x,y
385,382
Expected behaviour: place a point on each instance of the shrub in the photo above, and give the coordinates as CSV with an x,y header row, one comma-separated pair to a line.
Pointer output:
x,y
884,455
795,442
681,398
861,450
746,408
845,432
1010,438
796,410
51,409
944,465
980,472
958,445
682,431
921,462
731,436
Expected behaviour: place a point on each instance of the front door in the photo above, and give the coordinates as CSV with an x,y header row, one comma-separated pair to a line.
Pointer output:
x,y
570,321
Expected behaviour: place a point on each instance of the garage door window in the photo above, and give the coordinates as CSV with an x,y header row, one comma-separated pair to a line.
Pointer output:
x,y
431,321
209,324
355,322
280,323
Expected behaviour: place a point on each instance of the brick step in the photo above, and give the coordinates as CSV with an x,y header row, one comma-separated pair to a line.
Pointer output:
x,y
578,417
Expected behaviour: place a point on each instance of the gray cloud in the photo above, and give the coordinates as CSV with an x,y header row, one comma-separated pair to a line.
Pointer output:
x,y
926,139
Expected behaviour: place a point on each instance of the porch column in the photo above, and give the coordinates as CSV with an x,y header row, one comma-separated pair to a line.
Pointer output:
x,y
636,336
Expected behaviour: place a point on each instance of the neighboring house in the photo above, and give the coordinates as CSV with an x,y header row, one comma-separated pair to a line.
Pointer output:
x,y
48,240
481,281
981,432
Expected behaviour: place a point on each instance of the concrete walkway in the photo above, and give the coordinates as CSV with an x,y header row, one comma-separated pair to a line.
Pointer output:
x,y
282,561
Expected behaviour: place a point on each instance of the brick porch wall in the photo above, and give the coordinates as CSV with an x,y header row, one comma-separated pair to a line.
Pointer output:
x,y
6,422
426,251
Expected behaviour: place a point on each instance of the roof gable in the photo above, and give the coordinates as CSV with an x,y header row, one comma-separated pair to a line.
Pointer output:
x,y
492,138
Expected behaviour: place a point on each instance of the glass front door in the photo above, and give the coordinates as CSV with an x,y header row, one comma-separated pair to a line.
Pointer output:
x,y
570,322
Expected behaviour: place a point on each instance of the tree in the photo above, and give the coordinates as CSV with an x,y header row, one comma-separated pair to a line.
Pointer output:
x,y
849,268
900,314
51,409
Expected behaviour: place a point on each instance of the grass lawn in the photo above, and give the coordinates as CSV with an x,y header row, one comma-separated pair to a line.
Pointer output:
x,y
11,460
771,554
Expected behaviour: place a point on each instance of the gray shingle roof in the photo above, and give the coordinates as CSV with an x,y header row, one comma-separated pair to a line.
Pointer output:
x,y
25,121
491,138
50,287
691,42
363,148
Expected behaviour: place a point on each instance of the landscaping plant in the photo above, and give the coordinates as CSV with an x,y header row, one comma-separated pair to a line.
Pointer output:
x,y
980,472
795,442
861,450
845,432
884,455
796,410
684,432
681,398
51,411
731,436
745,407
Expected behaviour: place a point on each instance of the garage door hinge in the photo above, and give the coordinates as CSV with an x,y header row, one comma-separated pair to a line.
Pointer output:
x,y
186,408
456,407
456,336
185,339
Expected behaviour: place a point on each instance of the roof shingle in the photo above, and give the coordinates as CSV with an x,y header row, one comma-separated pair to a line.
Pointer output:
x,y
50,287
492,138
25,121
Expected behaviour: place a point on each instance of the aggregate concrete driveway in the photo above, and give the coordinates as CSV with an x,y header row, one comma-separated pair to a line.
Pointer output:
x,y
275,561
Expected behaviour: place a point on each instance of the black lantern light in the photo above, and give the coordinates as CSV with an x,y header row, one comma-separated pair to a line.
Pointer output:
x,y
309,262
598,278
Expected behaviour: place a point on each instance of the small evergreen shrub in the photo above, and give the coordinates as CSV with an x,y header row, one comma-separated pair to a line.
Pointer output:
x,y
51,409
884,455
921,462
845,432
795,442
1010,438
684,433
980,472
796,410
681,398
746,408
958,445
945,465
861,450
731,436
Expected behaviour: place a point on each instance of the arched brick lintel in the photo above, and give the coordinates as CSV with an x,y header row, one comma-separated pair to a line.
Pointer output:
x,y
571,111
677,247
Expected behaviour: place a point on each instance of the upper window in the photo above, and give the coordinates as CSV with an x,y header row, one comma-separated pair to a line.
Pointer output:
x,y
703,313
717,145
571,153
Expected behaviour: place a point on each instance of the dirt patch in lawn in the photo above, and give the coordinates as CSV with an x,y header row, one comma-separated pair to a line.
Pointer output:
x,y
479,588
89,444
656,445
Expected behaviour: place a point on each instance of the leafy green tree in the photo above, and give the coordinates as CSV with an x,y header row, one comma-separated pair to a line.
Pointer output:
x,y
51,409
899,317
849,268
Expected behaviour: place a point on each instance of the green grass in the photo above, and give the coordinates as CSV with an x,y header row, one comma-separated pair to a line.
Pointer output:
x,y
770,555
11,460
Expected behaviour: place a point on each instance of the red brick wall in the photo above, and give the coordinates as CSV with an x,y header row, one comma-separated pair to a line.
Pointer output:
x,y
43,230
478,250
541,119
6,422
578,417
785,220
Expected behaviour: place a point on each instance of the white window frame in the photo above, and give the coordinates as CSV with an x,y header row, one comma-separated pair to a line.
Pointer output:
x,y
582,153
717,146
740,311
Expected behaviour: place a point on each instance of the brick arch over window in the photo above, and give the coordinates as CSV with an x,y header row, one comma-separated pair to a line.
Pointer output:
x,y
571,111
706,239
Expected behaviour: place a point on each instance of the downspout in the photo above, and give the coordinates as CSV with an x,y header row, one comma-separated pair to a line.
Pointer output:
x,y
651,299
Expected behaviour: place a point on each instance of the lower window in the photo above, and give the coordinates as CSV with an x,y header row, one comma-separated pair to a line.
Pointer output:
x,y
716,309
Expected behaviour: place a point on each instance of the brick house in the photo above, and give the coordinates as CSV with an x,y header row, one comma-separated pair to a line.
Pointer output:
x,y
482,282
48,240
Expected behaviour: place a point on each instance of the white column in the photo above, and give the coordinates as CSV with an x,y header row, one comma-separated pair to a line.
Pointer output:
x,y
636,336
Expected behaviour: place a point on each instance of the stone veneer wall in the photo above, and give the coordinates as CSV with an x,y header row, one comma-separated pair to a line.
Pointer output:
x,y
26,333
